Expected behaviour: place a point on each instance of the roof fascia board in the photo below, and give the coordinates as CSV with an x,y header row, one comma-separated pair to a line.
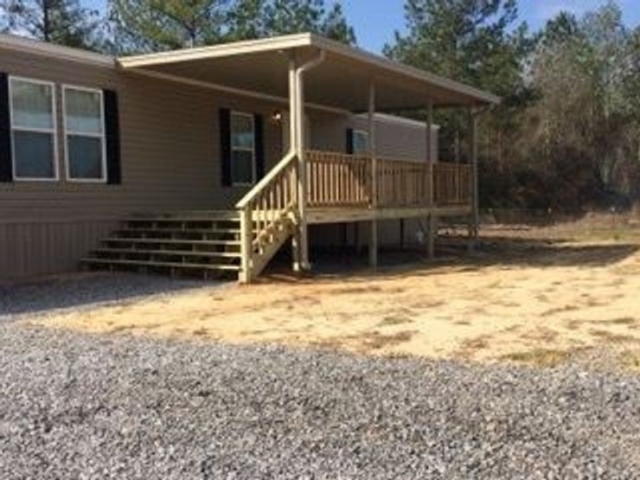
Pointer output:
x,y
37,47
231,90
231,49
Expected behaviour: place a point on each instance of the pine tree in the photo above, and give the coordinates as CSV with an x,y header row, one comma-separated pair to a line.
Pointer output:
x,y
153,25
263,18
64,22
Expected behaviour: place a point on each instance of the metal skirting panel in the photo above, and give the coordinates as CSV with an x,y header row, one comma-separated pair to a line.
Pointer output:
x,y
40,247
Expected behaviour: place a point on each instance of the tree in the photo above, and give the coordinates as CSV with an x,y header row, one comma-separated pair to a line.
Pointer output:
x,y
479,43
63,22
262,18
247,20
152,25
584,126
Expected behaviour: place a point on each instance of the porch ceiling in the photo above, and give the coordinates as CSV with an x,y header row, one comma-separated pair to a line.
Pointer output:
x,y
341,81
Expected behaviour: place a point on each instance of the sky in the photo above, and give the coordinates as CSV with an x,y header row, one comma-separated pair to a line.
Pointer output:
x,y
376,21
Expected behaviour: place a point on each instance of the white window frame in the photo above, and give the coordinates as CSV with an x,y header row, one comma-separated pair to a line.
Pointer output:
x,y
53,131
244,149
366,134
102,136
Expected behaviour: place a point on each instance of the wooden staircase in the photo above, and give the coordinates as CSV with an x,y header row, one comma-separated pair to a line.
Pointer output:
x,y
238,242
205,244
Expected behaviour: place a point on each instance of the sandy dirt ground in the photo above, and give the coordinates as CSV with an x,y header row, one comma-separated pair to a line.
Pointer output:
x,y
532,295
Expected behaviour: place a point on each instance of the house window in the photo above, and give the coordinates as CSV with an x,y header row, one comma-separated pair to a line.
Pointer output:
x,y
243,149
33,129
84,134
360,142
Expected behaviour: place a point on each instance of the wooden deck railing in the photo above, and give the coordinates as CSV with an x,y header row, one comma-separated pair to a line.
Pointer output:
x,y
452,184
337,180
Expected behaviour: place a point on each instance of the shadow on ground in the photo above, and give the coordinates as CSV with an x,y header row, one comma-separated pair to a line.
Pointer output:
x,y
453,252
84,290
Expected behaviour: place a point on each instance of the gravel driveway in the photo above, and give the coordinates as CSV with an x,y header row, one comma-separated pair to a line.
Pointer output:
x,y
86,291
77,406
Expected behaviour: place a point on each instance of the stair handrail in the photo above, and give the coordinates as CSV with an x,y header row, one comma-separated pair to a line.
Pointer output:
x,y
246,205
266,180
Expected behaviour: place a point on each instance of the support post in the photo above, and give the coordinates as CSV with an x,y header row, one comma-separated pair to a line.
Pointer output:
x,y
296,241
302,174
433,221
474,223
373,240
246,235
432,235
299,131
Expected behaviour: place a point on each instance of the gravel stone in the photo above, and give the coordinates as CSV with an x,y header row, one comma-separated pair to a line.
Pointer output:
x,y
94,407
86,291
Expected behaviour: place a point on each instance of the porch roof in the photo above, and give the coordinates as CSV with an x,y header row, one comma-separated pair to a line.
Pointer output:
x,y
341,81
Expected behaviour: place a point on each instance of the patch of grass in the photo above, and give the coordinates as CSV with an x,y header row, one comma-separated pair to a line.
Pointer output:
x,y
541,334
631,360
356,290
378,341
609,337
554,311
121,328
366,342
462,323
393,321
622,321
469,347
541,357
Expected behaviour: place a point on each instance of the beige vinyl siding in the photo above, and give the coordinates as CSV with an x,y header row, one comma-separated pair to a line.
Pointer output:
x,y
169,146
170,160
46,247
400,139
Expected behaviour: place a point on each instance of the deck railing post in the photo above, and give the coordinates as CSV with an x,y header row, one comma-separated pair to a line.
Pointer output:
x,y
246,241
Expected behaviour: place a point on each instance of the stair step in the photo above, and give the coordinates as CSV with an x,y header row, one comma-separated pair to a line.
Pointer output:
x,y
174,253
199,216
146,263
192,231
172,241
173,221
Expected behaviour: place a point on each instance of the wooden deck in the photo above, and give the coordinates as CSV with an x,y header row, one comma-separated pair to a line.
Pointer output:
x,y
331,187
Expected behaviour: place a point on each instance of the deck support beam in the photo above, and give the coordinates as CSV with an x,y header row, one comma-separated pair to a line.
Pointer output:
x,y
474,221
432,230
373,240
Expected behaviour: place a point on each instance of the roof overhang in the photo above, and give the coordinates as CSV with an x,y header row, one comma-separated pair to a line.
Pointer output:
x,y
340,82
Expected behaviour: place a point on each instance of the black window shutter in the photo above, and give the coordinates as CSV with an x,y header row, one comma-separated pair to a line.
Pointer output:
x,y
259,145
6,164
225,145
112,130
350,141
